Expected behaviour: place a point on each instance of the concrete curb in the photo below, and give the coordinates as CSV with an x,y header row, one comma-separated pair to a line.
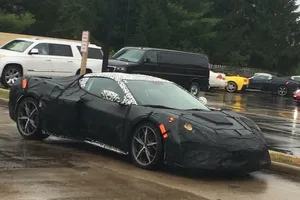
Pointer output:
x,y
4,90
285,169
4,101
280,167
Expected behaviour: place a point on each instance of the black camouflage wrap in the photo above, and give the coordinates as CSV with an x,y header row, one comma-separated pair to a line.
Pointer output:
x,y
219,140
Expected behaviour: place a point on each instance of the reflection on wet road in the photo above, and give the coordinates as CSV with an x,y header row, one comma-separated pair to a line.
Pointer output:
x,y
278,117
58,169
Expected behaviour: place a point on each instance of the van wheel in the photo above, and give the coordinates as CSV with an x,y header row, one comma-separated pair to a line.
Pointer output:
x,y
195,89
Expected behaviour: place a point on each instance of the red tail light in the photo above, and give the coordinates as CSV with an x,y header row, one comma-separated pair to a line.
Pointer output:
x,y
24,83
219,76
287,83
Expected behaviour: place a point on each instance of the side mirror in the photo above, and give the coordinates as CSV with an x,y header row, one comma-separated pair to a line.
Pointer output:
x,y
203,100
34,51
110,96
147,60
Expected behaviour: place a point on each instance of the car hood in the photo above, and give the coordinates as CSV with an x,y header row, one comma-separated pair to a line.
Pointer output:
x,y
226,123
118,63
8,53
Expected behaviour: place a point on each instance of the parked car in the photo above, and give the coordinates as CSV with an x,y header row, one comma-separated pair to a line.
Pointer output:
x,y
296,78
296,97
282,86
217,80
236,83
151,119
41,57
189,70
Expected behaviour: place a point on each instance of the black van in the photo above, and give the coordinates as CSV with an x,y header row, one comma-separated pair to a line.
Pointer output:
x,y
190,70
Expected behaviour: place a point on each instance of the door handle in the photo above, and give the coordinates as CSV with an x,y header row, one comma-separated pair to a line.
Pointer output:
x,y
48,60
70,61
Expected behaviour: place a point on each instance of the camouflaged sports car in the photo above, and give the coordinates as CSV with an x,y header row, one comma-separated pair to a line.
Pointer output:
x,y
151,119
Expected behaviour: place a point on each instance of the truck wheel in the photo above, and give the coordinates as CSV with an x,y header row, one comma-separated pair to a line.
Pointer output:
x,y
10,75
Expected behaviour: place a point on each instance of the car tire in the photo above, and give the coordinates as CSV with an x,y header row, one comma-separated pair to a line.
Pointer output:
x,y
195,89
282,90
231,87
28,120
147,153
10,75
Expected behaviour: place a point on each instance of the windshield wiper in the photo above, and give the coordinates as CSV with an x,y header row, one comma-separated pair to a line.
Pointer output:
x,y
157,106
123,59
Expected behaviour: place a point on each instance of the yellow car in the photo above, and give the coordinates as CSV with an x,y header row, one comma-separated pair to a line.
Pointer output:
x,y
236,83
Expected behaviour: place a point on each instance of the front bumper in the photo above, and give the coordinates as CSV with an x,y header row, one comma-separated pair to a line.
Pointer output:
x,y
221,153
212,158
296,98
244,87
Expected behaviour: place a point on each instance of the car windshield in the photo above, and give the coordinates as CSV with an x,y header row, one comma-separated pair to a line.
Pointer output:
x,y
17,45
163,94
130,55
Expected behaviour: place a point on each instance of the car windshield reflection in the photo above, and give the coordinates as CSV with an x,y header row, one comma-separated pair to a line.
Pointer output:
x,y
165,94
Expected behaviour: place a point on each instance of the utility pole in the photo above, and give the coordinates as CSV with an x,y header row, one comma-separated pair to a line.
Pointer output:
x,y
112,5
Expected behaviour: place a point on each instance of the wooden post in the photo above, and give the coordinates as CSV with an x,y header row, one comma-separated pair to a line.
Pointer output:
x,y
85,40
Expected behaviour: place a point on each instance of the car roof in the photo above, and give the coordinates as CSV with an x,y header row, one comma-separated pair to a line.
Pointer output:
x,y
59,41
117,76
168,50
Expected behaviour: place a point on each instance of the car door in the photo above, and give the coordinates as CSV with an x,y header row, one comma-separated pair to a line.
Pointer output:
x,y
62,60
258,82
149,65
39,64
102,120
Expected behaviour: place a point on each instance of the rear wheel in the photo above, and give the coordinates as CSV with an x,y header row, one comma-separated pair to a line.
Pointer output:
x,y
231,87
28,120
195,89
147,147
282,90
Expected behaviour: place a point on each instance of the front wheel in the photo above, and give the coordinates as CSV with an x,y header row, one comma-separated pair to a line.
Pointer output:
x,y
231,87
147,146
28,120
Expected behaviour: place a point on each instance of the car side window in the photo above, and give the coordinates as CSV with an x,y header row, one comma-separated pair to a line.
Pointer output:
x,y
43,48
96,85
261,77
60,50
93,53
152,55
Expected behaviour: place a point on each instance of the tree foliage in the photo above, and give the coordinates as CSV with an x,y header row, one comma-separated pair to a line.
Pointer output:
x,y
242,33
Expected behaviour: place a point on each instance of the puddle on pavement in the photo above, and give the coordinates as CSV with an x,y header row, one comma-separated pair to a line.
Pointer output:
x,y
27,154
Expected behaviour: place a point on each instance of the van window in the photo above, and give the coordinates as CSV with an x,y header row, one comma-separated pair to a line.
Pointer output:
x,y
60,50
152,55
183,59
93,53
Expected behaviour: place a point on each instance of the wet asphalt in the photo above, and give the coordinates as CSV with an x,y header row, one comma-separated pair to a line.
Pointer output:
x,y
278,117
60,169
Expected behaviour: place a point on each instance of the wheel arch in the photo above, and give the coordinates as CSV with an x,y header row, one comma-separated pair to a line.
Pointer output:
x,y
137,123
14,64
21,98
